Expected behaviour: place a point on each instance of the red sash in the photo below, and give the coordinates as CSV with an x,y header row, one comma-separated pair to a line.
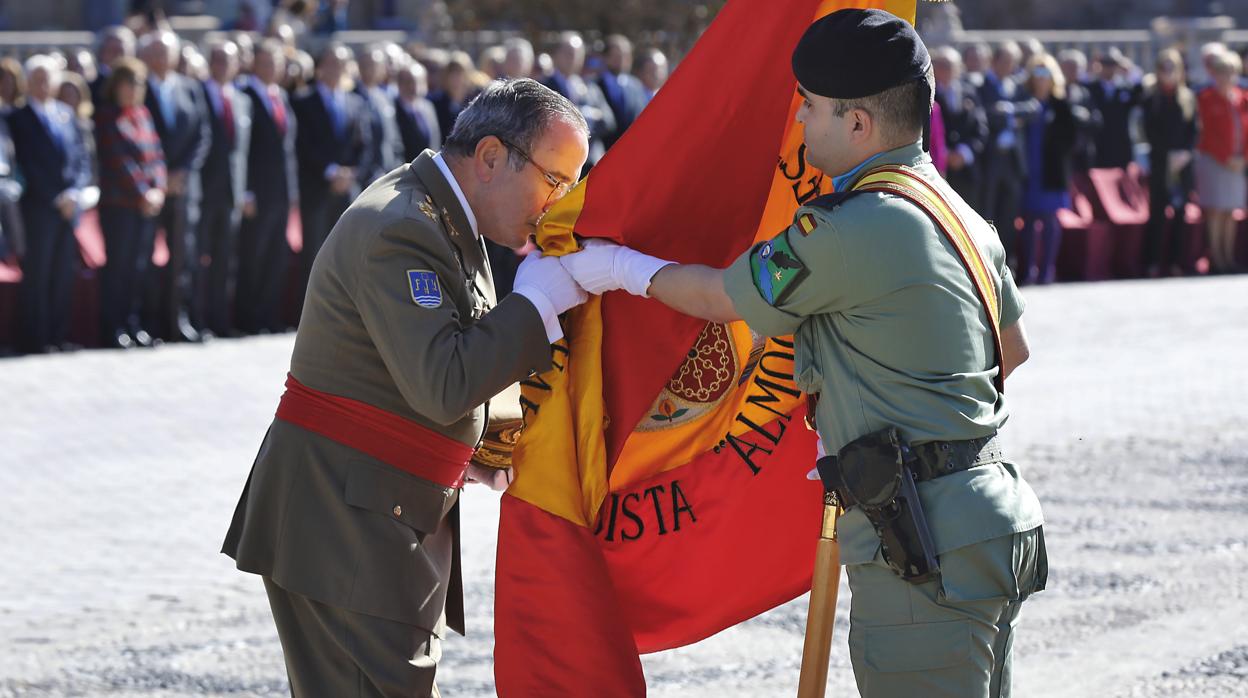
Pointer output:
x,y
391,439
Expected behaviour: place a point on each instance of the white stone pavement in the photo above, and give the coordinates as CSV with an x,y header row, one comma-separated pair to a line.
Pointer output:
x,y
119,472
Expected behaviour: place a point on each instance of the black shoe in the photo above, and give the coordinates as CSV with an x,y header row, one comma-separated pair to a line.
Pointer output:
x,y
143,339
186,332
121,340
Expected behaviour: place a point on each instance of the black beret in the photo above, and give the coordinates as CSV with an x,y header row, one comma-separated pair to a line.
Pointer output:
x,y
853,53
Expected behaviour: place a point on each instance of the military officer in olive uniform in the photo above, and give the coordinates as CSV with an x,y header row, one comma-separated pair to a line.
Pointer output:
x,y
350,511
891,330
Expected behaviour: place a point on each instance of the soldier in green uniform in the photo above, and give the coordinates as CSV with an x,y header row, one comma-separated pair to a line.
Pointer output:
x,y
350,513
891,330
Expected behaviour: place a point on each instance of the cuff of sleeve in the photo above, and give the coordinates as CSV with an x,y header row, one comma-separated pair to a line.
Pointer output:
x,y
1012,302
750,305
641,272
331,170
550,319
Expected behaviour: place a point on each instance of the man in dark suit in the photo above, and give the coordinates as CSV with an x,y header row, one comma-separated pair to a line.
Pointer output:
x,y
272,187
386,145
624,93
53,159
1074,65
333,145
569,59
966,126
181,117
224,179
113,43
417,120
1004,165
12,231
1114,98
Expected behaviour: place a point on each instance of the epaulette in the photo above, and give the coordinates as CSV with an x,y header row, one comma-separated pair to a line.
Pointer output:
x,y
831,201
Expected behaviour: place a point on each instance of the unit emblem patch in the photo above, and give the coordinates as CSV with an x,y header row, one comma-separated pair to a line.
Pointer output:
x,y
426,291
776,269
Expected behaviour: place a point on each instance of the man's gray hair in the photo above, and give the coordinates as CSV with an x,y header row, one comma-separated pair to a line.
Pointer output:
x,y
46,63
517,111
120,32
519,45
1075,56
164,38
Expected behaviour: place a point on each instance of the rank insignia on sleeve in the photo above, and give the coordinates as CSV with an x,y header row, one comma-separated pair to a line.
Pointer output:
x,y
776,269
806,224
426,291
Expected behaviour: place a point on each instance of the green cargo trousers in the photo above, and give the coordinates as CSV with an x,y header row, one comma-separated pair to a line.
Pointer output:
x,y
951,636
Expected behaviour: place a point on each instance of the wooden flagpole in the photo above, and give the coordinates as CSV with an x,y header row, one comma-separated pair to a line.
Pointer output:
x,y
813,681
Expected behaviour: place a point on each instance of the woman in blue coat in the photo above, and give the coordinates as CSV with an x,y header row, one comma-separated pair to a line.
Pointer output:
x,y
1048,125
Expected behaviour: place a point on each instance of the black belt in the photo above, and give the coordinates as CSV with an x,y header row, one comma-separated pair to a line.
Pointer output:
x,y
934,459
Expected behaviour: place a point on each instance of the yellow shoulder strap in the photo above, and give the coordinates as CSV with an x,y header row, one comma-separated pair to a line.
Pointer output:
x,y
910,185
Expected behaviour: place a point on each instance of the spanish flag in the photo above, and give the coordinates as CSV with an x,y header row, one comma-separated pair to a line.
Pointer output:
x,y
660,493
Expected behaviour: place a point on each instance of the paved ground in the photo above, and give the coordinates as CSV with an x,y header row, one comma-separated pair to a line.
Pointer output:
x,y
119,472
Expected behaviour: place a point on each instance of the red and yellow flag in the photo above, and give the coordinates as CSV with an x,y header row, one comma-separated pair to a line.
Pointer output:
x,y
660,493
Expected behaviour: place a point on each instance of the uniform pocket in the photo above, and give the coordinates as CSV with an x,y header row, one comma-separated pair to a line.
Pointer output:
x,y
920,647
412,501
981,571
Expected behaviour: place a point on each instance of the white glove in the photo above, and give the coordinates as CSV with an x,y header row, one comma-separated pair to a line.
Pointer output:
x,y
819,453
496,479
605,266
549,288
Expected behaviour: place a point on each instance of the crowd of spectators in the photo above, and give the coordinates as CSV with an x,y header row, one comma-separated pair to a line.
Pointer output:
x,y
217,145
1017,122
211,148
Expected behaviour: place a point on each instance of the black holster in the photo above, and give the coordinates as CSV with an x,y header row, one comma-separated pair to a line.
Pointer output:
x,y
872,473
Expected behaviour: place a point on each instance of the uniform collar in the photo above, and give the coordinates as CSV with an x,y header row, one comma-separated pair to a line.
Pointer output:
x,y
459,193
445,201
910,154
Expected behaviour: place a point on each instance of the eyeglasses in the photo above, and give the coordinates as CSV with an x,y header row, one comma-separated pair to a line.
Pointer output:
x,y
558,186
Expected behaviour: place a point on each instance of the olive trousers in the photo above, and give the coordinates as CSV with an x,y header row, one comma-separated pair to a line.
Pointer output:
x,y
951,636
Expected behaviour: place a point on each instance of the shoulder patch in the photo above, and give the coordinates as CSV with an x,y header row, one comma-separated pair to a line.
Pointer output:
x,y
776,269
426,291
806,224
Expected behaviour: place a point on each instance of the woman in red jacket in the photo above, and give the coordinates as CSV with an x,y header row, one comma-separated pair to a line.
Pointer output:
x,y
1222,111
132,191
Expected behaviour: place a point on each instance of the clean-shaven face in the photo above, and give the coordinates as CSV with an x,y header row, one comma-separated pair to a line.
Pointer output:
x,y
519,198
826,134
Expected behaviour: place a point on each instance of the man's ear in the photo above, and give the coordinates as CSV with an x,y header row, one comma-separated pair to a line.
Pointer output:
x,y
863,125
489,158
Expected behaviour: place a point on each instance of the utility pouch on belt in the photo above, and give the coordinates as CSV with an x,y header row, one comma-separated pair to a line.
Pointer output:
x,y
871,473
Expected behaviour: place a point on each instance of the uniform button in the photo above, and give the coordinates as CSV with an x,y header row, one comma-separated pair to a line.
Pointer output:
x,y
398,510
